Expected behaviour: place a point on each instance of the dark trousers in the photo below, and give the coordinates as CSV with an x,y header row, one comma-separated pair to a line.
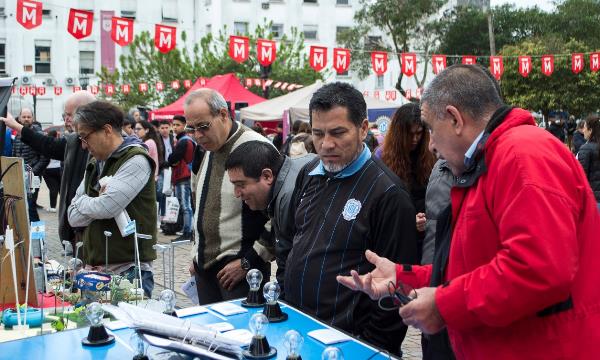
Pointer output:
x,y
52,179
32,205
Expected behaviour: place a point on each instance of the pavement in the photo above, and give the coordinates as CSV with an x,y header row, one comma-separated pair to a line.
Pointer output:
x,y
411,346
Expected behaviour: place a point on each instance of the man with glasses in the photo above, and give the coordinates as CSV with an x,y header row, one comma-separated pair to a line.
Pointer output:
x,y
228,232
66,149
130,188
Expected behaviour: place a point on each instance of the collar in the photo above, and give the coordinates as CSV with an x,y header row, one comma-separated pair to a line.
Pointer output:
x,y
472,148
348,171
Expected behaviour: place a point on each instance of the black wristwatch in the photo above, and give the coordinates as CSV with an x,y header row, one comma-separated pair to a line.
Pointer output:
x,y
245,264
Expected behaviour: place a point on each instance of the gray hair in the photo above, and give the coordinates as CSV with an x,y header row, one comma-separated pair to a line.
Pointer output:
x,y
132,111
467,87
213,99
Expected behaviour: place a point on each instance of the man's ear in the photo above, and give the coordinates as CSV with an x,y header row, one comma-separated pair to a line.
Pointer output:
x,y
364,129
267,174
457,119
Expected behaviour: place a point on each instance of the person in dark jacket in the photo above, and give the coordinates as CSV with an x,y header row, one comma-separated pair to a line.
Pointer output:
x,y
32,158
578,138
589,154
66,149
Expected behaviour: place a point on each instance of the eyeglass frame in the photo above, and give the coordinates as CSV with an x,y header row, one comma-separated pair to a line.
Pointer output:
x,y
85,138
204,127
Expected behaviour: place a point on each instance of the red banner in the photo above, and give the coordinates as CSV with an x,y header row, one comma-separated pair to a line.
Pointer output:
x,y
469,60
159,86
94,89
58,90
547,64
80,23
121,31
41,91
125,89
595,61
239,48
439,63
165,38
318,57
109,90
76,88
175,84
524,65
341,60
390,95
576,63
249,83
408,94
203,81
409,64
496,66
379,62
29,13
143,87
266,51
187,84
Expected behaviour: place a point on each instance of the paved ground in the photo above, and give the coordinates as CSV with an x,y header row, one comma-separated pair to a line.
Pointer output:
x,y
411,346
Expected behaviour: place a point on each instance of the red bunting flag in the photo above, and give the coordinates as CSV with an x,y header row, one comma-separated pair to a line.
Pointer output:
x,y
268,82
408,94
32,91
41,91
266,51
595,61
165,38
576,63
496,66
143,87
390,95
29,13
239,48
419,92
80,23
109,90
524,65
439,63
58,90
249,82
341,60
469,60
175,84
121,31
317,58
187,84
76,88
94,89
409,64
23,90
125,88
277,85
547,64
284,86
379,62
159,86
376,94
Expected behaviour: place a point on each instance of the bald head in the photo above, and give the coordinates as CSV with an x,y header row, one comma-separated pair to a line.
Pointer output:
x,y
74,101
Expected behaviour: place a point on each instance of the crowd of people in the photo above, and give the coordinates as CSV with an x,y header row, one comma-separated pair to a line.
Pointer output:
x,y
466,221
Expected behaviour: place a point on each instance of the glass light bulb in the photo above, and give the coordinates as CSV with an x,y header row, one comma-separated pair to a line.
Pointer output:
x,y
75,264
293,342
167,296
138,344
94,313
332,353
271,292
258,324
254,278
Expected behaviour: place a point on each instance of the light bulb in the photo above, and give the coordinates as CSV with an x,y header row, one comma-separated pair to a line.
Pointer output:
x,y
254,278
258,324
167,296
138,344
271,292
332,353
293,342
94,313
75,264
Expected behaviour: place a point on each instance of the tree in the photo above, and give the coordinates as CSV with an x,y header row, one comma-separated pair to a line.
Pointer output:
x,y
563,89
407,25
208,57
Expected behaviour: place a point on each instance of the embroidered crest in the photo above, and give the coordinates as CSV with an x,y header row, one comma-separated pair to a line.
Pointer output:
x,y
351,209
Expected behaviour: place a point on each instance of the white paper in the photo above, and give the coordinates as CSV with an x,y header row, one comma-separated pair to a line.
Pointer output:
x,y
241,335
123,218
36,182
115,325
166,189
221,326
191,311
329,336
189,289
228,309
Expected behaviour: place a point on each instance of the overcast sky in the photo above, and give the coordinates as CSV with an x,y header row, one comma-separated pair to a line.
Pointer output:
x,y
542,4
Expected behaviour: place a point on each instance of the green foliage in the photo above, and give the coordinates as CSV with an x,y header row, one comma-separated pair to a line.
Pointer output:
x,y
208,57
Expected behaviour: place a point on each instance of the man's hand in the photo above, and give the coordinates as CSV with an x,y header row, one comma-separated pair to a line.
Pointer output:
x,y
191,269
422,312
375,284
10,121
421,220
231,275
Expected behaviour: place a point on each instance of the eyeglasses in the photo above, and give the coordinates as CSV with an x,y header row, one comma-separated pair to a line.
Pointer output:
x,y
84,139
200,128
66,115
397,296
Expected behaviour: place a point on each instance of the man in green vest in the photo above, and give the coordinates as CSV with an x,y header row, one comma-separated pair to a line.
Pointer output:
x,y
117,178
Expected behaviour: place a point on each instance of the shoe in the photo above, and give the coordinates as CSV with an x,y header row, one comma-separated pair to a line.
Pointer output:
x,y
51,210
179,233
183,237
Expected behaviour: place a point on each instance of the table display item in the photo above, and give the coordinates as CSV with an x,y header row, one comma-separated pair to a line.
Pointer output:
x,y
272,310
139,346
293,342
255,298
97,336
33,318
167,296
259,346
332,353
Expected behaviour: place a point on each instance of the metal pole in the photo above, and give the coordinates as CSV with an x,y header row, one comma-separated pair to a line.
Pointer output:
x,y
491,29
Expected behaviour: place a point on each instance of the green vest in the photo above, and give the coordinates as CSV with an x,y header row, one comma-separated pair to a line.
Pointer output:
x,y
142,209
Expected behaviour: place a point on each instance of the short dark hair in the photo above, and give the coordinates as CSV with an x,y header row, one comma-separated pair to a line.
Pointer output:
x,y
99,113
467,87
254,156
165,122
179,118
129,121
343,95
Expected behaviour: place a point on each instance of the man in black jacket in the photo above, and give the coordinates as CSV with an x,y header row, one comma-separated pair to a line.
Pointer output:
x,y
346,202
66,149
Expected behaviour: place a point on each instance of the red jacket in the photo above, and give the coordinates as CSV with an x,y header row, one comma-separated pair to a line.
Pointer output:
x,y
526,236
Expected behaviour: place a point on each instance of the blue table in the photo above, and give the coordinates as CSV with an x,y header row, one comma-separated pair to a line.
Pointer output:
x,y
67,344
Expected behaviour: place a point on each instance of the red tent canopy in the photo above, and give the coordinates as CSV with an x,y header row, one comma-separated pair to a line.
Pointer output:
x,y
228,85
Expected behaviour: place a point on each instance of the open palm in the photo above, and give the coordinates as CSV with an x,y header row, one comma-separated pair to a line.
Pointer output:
x,y
375,284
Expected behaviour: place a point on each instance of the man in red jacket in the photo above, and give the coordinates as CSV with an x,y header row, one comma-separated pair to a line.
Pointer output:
x,y
515,271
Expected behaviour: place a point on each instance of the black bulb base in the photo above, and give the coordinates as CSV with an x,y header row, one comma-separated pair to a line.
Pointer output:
x,y
259,348
254,299
273,312
97,336
141,357
293,357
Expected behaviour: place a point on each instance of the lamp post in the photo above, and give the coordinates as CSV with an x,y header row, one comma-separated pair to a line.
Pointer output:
x,y
265,72
84,82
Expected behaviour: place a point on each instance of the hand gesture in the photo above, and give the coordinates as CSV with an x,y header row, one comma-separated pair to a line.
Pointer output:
x,y
375,284
421,220
10,122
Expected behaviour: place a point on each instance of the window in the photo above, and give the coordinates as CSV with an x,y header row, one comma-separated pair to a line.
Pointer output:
x,y
310,1
169,11
208,29
373,42
310,32
42,56
240,27
128,9
47,13
277,31
379,83
2,57
86,62
339,30
2,9
342,2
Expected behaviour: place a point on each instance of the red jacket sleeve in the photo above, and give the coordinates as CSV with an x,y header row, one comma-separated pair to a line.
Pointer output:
x,y
416,276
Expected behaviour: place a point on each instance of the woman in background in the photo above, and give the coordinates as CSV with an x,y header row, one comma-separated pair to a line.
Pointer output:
x,y
145,131
589,154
